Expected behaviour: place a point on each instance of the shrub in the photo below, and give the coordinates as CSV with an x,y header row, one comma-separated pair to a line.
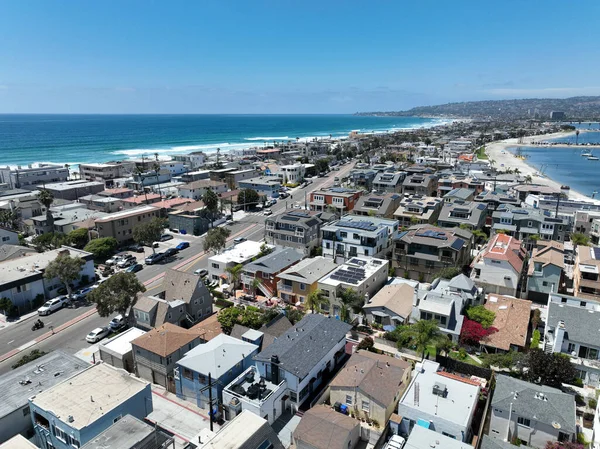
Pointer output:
x,y
593,403
223,303
536,318
217,294
535,339
35,354
579,400
581,438
482,315
366,343
577,382
462,353
364,329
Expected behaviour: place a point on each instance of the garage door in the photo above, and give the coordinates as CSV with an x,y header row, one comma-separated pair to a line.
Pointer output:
x,y
160,379
144,372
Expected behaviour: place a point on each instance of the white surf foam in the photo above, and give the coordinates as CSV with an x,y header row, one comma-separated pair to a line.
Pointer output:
x,y
268,138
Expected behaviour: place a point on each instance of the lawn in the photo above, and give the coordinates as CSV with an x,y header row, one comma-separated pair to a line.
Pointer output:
x,y
481,153
469,360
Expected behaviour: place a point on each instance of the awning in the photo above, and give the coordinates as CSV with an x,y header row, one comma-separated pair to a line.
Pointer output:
x,y
423,423
378,313
397,318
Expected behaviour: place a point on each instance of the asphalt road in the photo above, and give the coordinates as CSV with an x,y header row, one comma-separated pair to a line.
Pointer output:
x,y
72,339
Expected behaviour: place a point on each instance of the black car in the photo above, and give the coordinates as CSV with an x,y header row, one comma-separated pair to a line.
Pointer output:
x,y
154,258
136,248
170,252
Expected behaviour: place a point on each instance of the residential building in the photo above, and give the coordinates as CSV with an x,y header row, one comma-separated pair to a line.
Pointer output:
x,y
425,438
571,329
467,214
568,205
293,174
364,275
119,225
264,185
443,305
389,181
266,268
443,402
18,442
66,218
31,178
494,198
117,192
423,250
23,202
522,190
511,321
340,199
586,274
371,384
290,370
139,200
223,359
183,300
459,194
102,203
18,385
170,204
131,433
545,270
488,442
139,181
195,190
118,351
234,177
106,172
300,280
376,205
391,306
73,190
238,254
156,353
321,427
75,411
194,223
531,414
174,167
22,280
265,335
245,431
354,235
297,229
420,184
192,176
9,236
192,160
363,178
452,181
499,266
416,209
11,252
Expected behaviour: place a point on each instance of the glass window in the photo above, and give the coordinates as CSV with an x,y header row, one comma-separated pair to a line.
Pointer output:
x,y
366,405
524,421
348,399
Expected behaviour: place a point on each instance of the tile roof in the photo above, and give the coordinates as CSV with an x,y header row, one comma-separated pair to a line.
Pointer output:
x,y
306,344
553,407
190,207
209,328
140,199
512,321
505,247
397,298
166,339
551,253
377,376
322,427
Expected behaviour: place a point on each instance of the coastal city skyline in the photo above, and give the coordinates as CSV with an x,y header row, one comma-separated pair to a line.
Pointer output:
x,y
273,57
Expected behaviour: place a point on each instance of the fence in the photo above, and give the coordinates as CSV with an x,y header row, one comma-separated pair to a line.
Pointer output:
x,y
463,368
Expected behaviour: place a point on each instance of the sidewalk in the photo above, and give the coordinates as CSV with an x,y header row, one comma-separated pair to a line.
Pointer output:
x,y
7,322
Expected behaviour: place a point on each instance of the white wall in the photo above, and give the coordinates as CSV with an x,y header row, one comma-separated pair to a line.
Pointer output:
x,y
8,237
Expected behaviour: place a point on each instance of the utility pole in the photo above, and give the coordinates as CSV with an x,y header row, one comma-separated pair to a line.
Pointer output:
x,y
211,401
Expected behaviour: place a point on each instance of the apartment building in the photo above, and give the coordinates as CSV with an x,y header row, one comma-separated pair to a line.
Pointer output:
x,y
417,209
586,274
340,199
32,178
297,229
462,213
73,190
545,271
378,205
389,181
420,184
266,268
300,280
268,186
196,190
120,224
107,171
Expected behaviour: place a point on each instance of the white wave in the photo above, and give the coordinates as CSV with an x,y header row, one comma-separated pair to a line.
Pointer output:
x,y
268,138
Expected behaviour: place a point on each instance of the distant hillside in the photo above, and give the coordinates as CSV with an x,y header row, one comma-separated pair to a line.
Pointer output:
x,y
575,108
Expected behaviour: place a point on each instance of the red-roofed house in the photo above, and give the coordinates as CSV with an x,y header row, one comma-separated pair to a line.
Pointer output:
x,y
140,200
172,203
498,267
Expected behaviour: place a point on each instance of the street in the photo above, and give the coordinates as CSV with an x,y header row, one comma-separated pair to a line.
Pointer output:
x,y
72,338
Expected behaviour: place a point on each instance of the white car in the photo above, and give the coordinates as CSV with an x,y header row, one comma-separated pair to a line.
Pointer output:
x,y
126,261
97,334
396,442
117,322
114,260
267,212
53,305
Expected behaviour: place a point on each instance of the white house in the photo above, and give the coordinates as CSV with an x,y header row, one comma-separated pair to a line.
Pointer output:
x,y
238,254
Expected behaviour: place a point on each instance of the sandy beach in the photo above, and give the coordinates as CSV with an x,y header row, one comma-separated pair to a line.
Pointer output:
x,y
499,153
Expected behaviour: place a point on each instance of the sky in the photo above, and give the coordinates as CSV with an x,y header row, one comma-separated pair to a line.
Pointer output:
x,y
289,56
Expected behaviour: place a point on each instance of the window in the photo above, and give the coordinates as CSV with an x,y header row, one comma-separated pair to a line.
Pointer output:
x,y
26,410
302,286
117,418
176,373
348,399
496,261
571,348
524,421
343,234
356,237
187,373
215,265
449,435
60,434
365,406
169,360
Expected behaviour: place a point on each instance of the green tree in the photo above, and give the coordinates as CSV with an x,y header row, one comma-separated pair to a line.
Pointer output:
x,y
228,318
351,301
482,315
50,240
580,239
33,355
248,197
211,201
449,272
235,273
322,165
117,294
102,248
535,340
293,314
9,219
528,179
150,232
552,369
78,237
65,268
422,334
366,343
5,305
216,239
251,318
47,198
316,300
255,285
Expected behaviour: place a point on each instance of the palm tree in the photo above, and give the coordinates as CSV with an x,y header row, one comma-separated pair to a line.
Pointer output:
x,y
352,301
235,273
422,334
528,179
516,171
47,198
315,300
577,137
256,283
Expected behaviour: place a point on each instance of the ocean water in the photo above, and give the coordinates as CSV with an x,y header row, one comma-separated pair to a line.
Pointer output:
x,y
73,139
586,135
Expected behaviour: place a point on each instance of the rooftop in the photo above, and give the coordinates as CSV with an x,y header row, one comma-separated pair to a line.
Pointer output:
x,y
545,404
239,253
126,433
398,298
582,324
279,259
355,271
18,385
81,398
121,344
512,321
337,191
456,403
550,253
454,238
209,328
217,356
422,438
202,184
263,180
504,247
362,224
141,199
165,340
321,427
127,213
68,185
251,387
18,442
309,271
237,432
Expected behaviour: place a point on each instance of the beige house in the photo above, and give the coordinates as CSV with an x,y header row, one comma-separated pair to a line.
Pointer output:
x,y
371,384
392,305
321,427
300,280
120,224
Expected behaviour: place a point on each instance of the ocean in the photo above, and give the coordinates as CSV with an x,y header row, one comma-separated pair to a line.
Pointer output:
x,y
564,164
74,139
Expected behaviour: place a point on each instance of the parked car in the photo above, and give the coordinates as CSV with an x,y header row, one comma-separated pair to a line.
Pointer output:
x,y
117,322
155,244
267,212
170,252
154,258
53,305
126,261
201,272
239,240
81,294
136,248
97,334
183,245
396,442
135,268
165,237
113,260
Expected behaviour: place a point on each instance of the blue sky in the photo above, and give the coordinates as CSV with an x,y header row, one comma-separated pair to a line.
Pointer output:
x,y
285,56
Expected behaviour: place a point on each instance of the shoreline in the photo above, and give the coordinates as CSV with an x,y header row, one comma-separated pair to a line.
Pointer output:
x,y
498,151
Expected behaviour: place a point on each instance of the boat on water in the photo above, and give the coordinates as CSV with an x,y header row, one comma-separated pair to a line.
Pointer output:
x,y
591,157
586,154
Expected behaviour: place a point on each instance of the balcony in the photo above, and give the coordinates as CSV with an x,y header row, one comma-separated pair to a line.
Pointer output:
x,y
284,288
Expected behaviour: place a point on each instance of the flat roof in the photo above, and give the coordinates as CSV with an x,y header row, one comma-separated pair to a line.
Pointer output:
x,y
17,386
236,432
18,442
127,213
422,438
239,253
67,185
364,267
121,344
125,433
90,394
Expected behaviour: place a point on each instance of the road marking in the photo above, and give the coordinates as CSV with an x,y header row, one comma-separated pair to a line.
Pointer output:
x,y
12,341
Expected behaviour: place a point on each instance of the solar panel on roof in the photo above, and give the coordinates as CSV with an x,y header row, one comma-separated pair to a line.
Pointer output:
x,y
457,244
481,206
596,253
355,261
